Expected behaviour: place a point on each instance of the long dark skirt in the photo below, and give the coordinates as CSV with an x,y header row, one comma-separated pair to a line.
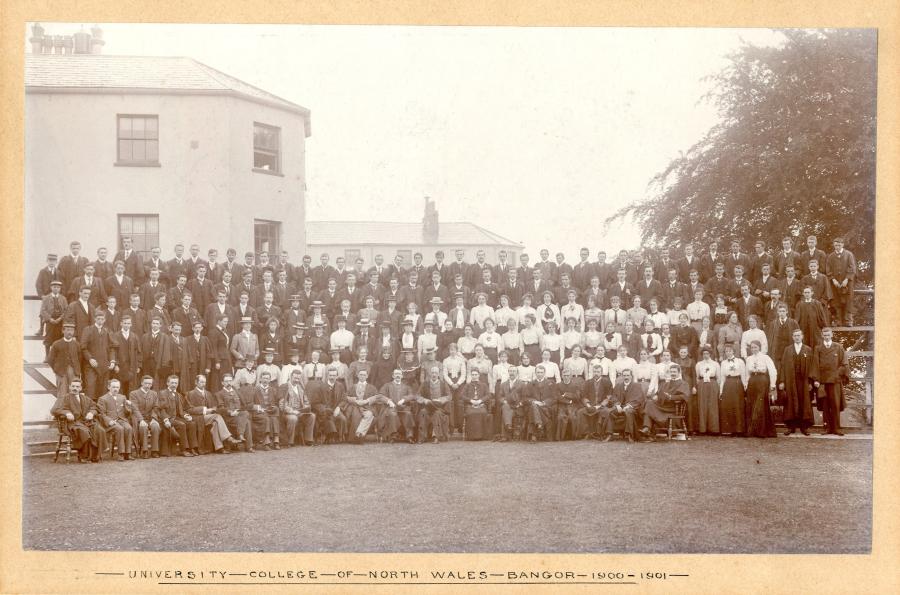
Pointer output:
x,y
708,407
534,352
478,423
512,356
731,406
761,422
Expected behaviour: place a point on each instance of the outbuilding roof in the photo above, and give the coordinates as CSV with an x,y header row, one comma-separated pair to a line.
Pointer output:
x,y
456,233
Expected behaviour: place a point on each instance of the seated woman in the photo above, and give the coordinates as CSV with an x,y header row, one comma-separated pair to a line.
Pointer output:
x,y
476,399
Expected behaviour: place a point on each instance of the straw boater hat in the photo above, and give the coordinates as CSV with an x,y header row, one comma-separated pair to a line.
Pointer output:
x,y
436,300
364,322
246,320
317,304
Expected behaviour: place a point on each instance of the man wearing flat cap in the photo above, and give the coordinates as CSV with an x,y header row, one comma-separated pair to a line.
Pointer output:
x,y
53,311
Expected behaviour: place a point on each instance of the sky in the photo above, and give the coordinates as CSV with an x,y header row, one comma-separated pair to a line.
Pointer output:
x,y
536,134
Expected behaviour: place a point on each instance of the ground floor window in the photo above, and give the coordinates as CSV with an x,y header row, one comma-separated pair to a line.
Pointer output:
x,y
267,236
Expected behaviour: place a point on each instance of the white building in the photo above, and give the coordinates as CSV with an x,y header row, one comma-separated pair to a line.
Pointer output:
x,y
164,149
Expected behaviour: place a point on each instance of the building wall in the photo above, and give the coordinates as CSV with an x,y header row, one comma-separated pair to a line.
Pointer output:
x,y
204,191
369,251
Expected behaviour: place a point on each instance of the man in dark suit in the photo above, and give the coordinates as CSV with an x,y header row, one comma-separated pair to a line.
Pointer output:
x,y
537,285
621,288
475,273
628,404
79,312
80,414
102,267
511,402
757,261
488,288
322,273
673,288
709,261
832,371
230,265
220,350
662,266
736,258
176,293
350,292
89,280
748,305
787,257
303,271
373,288
811,253
71,265
64,359
395,269
525,272
687,264
460,266
119,285
284,289
440,267
436,289
501,270
649,288
513,289
53,311
128,354
151,287
155,262
134,266
547,268
582,272
720,284
840,267
194,261
186,314
201,287
98,350
46,275
177,266
154,345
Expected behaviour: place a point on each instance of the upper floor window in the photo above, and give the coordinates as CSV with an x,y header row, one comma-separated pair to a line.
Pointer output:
x,y
266,148
138,140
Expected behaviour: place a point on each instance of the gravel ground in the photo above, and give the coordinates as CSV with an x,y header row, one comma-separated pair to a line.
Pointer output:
x,y
726,495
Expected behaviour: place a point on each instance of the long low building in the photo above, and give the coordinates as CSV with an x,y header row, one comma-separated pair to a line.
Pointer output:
x,y
366,239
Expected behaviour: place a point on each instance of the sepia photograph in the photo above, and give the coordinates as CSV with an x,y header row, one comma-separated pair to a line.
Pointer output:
x,y
434,289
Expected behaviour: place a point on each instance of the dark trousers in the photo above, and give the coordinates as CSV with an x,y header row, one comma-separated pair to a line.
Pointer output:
x,y
95,380
831,409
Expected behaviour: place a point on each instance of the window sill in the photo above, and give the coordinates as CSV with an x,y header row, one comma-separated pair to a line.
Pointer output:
x,y
268,172
137,164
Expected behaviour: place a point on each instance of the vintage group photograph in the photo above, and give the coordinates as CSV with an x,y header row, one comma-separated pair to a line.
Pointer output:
x,y
318,288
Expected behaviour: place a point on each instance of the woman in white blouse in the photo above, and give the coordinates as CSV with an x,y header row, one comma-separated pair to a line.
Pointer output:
x,y
575,363
552,341
525,309
650,341
612,340
511,341
593,338
662,368
526,370
548,312
623,362
593,312
531,338
753,333
503,314
708,391
480,313
467,343
490,340
551,369
760,392
645,373
571,336
732,393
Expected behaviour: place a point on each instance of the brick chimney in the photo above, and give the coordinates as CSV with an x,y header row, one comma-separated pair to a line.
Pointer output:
x,y
430,223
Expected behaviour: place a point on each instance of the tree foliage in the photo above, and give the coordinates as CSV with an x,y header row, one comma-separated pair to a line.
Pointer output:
x,y
793,152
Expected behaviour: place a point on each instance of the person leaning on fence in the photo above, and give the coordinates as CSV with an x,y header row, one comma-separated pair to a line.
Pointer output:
x,y
80,414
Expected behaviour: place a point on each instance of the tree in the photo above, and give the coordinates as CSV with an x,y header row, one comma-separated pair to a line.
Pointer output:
x,y
792,154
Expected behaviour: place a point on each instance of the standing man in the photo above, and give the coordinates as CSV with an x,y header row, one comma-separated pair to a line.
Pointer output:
x,y
53,311
831,372
134,266
64,358
98,349
787,257
46,276
87,280
71,266
796,368
128,355
840,267
812,253
119,285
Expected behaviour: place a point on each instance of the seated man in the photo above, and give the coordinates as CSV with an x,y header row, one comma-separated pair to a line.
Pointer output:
x,y
593,412
266,426
116,415
144,414
327,398
628,403
295,406
658,408
201,403
79,410
397,414
434,408
542,405
170,414
231,408
511,404
359,410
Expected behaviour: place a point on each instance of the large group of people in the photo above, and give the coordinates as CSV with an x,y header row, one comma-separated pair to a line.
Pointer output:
x,y
192,355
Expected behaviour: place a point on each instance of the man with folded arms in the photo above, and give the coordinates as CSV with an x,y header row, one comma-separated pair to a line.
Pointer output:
x,y
660,406
170,414
116,414
202,404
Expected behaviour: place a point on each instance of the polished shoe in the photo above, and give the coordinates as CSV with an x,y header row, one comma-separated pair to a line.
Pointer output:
x,y
154,455
145,455
187,453
196,452
607,438
789,432
435,440
127,456
276,446
121,457
838,433
266,447
804,432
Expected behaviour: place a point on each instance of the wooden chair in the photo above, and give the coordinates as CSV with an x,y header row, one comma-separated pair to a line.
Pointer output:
x,y
676,424
64,440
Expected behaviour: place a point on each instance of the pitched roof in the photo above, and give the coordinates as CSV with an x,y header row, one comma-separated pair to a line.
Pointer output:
x,y
53,72
456,233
